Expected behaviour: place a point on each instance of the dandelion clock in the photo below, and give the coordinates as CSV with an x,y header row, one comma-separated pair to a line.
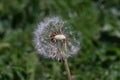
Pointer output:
x,y
54,39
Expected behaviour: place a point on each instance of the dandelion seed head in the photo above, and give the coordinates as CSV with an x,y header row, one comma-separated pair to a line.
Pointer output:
x,y
48,37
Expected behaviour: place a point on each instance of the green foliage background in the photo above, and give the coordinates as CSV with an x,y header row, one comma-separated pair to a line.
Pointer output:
x,y
97,20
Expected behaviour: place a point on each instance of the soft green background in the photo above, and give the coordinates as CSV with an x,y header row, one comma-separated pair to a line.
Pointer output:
x,y
97,20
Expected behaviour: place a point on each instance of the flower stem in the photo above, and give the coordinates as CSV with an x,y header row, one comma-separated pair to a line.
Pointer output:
x,y
64,49
67,69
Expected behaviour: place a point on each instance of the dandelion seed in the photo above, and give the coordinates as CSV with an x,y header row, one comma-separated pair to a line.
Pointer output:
x,y
50,36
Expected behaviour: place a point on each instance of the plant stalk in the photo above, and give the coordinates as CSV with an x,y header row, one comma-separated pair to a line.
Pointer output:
x,y
67,69
64,49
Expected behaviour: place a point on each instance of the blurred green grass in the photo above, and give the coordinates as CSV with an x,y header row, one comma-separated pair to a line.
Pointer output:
x,y
98,21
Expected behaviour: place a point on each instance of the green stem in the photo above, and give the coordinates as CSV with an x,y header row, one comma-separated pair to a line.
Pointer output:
x,y
67,69
64,50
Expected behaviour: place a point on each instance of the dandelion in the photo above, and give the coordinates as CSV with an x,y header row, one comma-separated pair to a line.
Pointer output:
x,y
54,39
50,33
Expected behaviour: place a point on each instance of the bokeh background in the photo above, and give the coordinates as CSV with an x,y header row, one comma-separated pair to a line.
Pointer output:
x,y
98,21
